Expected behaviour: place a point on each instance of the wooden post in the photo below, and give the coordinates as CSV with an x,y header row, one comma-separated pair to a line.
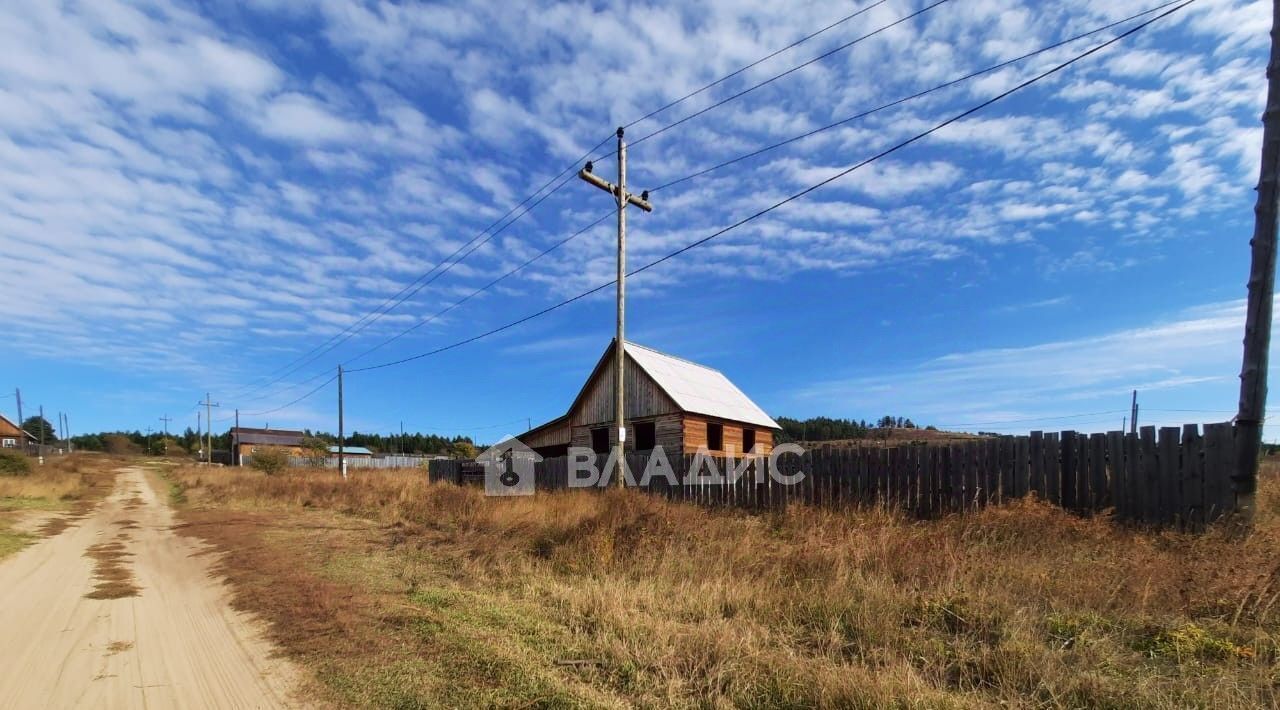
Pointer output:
x,y
1262,281
342,458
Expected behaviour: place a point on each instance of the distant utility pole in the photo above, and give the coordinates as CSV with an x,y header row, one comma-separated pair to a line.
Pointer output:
x,y
66,431
1262,284
623,198
1133,414
166,419
18,393
208,416
43,424
342,456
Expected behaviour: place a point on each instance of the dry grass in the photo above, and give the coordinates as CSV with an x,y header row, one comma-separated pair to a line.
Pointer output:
x,y
66,488
399,593
113,576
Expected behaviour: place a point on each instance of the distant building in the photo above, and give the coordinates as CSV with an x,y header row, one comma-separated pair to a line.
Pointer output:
x,y
13,436
353,451
245,441
670,402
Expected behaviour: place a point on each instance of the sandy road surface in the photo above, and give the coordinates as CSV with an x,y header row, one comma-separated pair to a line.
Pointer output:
x,y
177,644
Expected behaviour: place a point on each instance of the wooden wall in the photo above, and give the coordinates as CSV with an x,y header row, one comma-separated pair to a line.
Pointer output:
x,y
556,434
643,399
668,432
695,435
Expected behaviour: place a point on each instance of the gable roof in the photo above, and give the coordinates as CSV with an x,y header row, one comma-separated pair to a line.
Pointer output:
x,y
697,388
267,437
12,429
693,388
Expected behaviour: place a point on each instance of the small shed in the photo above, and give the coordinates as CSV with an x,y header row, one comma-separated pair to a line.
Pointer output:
x,y
671,402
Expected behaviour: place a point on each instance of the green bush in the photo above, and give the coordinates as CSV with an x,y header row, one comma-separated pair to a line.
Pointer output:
x,y
270,461
13,463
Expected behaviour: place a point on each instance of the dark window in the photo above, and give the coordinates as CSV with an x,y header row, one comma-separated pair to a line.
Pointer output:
x,y
646,436
600,440
748,440
715,437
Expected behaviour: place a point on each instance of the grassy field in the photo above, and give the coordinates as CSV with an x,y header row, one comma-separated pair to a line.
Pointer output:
x,y
67,485
398,593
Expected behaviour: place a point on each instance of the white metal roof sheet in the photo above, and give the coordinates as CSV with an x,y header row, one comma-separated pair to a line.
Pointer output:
x,y
699,389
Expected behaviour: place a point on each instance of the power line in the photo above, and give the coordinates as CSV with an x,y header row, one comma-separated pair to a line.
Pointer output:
x,y
754,64
430,276
705,171
484,288
322,385
400,297
788,72
912,97
796,196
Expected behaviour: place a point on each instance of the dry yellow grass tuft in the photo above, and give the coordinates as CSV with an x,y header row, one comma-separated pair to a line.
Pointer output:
x,y
402,593
66,485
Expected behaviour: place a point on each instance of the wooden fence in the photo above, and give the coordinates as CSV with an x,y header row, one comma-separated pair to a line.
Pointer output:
x,y
1170,477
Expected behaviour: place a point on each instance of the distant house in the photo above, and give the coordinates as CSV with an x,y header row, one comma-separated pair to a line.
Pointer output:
x,y
353,451
245,441
670,402
13,436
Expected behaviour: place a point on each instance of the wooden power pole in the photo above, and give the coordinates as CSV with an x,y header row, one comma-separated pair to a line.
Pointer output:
x,y
209,404
623,198
1262,283
342,458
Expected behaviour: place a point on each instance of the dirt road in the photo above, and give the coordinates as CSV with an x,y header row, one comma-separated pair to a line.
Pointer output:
x,y
73,636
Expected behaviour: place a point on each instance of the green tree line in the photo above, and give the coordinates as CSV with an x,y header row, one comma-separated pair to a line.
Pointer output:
x,y
829,429
189,441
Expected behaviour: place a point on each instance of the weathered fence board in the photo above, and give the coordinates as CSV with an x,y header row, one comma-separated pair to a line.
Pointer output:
x,y
1171,476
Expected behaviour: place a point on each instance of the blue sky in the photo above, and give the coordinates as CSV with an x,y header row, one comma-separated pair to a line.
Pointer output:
x,y
193,195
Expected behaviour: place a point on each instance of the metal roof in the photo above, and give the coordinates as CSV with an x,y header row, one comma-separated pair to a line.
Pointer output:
x,y
276,437
697,388
358,450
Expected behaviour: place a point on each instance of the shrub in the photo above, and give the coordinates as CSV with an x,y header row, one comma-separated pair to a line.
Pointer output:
x,y
120,444
13,463
270,461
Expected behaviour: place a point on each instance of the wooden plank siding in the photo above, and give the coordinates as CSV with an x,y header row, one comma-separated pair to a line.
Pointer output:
x,y
695,435
644,398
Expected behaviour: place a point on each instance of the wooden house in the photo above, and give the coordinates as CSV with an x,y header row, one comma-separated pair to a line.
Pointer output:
x,y
244,441
670,402
13,436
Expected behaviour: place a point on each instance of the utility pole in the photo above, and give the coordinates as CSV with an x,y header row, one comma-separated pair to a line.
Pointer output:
x,y
208,416
199,430
66,424
166,419
235,443
42,428
342,457
18,393
1262,283
623,198
1133,414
